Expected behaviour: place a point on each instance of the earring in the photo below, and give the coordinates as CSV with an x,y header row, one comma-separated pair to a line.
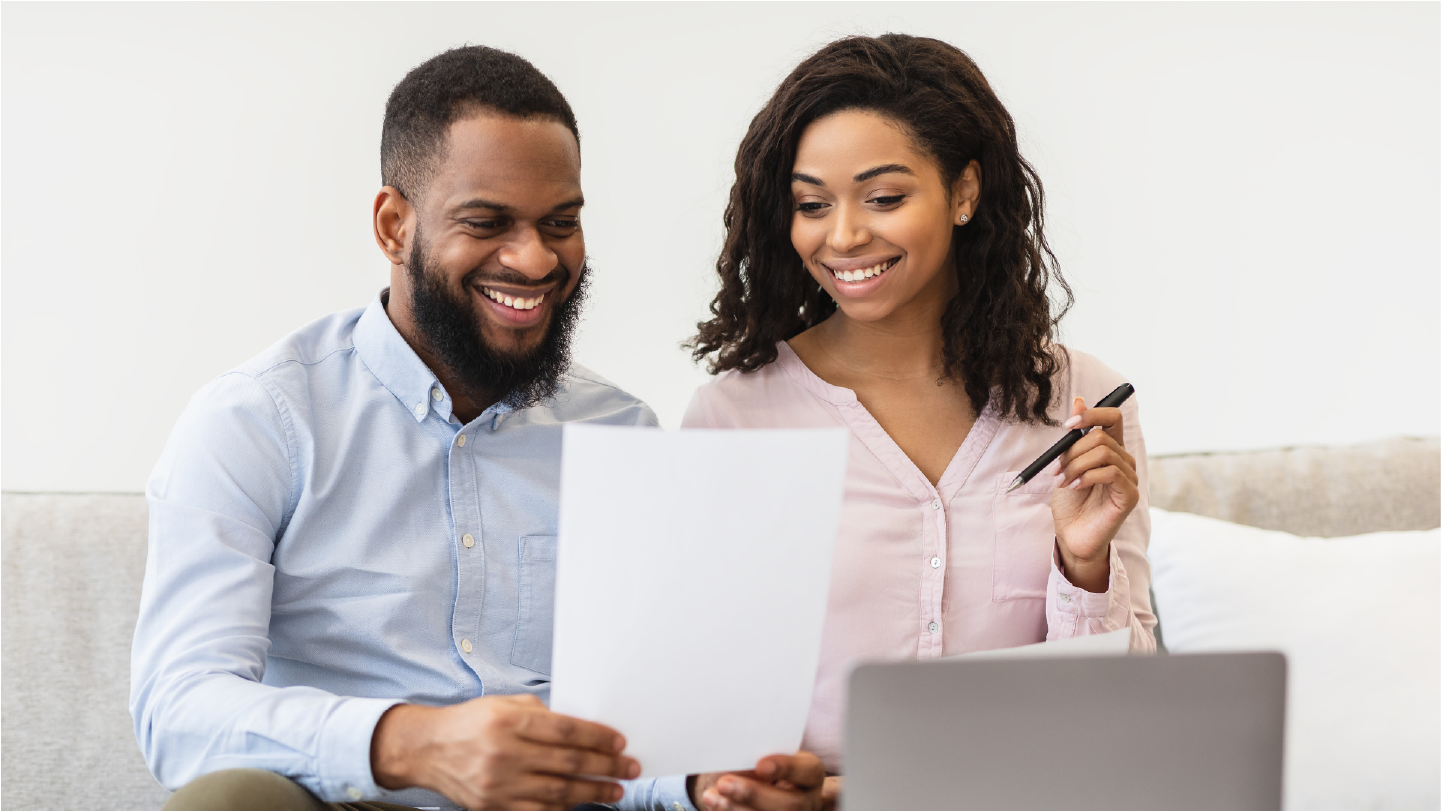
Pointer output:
x,y
964,218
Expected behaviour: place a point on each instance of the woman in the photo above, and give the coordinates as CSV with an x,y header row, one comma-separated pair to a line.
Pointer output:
x,y
885,270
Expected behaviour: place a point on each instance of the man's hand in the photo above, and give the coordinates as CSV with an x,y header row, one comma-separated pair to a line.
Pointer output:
x,y
778,783
500,752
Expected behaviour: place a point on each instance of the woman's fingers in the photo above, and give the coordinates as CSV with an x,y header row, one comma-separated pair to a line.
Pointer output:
x,y
1108,419
1095,458
1072,464
1113,477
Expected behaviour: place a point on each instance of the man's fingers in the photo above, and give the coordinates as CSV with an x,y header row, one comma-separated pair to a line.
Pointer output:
x,y
803,769
564,760
564,792
738,792
543,726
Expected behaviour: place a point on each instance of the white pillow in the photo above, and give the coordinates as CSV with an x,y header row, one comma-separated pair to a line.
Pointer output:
x,y
1359,620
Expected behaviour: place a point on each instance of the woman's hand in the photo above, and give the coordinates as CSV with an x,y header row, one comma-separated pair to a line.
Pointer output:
x,y
1098,489
777,783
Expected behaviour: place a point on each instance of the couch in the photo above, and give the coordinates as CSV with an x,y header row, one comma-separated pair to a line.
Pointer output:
x,y
73,565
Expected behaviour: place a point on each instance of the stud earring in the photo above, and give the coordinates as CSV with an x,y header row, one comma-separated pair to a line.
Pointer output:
x,y
964,218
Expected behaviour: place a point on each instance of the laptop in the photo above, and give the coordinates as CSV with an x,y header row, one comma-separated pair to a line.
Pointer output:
x,y
1123,733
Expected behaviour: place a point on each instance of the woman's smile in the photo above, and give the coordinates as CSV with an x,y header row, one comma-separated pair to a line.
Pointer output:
x,y
853,279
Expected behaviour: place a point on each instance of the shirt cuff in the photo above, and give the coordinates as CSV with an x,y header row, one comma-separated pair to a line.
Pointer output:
x,y
1073,611
344,753
657,794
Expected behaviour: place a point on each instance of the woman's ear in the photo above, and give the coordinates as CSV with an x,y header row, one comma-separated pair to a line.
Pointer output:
x,y
394,224
966,194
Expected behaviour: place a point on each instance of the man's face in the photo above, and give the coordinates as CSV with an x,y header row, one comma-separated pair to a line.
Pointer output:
x,y
497,260
501,220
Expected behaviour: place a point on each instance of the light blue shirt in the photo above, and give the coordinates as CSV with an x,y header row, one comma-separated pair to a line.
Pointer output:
x,y
327,540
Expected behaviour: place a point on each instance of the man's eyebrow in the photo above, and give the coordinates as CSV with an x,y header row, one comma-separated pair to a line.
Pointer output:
x,y
797,177
480,202
882,170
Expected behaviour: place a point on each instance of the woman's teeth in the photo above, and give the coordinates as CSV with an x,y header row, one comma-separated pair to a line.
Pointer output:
x,y
513,301
865,273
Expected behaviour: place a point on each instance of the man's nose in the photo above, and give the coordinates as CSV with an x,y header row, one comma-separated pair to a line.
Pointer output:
x,y
849,229
526,253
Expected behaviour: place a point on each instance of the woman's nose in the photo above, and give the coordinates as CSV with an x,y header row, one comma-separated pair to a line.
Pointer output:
x,y
848,230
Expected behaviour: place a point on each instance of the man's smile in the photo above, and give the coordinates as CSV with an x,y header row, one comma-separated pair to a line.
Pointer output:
x,y
517,305
513,301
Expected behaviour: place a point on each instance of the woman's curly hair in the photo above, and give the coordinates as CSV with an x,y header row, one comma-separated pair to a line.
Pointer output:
x,y
998,329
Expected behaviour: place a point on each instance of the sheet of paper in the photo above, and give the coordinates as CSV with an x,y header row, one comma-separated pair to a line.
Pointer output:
x,y
691,583
1113,643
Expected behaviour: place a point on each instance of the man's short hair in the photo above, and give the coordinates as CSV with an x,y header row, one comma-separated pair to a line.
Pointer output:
x,y
451,86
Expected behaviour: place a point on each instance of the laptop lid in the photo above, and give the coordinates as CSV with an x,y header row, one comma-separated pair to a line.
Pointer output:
x,y
1179,732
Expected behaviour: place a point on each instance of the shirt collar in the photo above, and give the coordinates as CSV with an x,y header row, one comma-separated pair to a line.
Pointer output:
x,y
396,365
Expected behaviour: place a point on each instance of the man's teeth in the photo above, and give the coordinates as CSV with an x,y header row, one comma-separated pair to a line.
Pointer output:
x,y
514,301
864,273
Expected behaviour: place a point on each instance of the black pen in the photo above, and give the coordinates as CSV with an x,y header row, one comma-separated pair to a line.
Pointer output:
x,y
1111,400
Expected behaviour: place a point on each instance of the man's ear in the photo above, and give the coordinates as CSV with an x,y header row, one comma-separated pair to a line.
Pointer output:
x,y
966,194
394,221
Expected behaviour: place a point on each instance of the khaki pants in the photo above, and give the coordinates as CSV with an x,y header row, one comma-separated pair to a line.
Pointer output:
x,y
258,790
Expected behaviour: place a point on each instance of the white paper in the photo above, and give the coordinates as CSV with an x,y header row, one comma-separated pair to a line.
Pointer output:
x,y
1111,643
691,583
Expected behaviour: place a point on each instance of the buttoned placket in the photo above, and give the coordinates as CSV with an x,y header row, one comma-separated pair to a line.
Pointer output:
x,y
932,564
468,538
933,575
929,499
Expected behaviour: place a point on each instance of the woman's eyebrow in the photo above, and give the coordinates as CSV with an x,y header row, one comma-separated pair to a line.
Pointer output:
x,y
801,178
882,170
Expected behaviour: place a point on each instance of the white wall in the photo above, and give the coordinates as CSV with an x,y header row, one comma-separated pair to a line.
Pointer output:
x,y
1246,197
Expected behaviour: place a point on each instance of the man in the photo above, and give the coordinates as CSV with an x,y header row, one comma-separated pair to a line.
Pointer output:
x,y
349,586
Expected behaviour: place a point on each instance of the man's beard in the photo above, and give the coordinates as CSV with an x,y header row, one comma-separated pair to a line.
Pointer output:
x,y
452,332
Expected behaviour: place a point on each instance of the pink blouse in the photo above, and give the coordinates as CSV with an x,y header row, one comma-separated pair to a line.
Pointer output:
x,y
924,571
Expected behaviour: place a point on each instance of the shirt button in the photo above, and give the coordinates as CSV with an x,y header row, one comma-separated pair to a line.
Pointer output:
x,y
467,540
935,563
435,394
460,440
935,504
465,645
677,806
353,793
420,409
1065,598
933,627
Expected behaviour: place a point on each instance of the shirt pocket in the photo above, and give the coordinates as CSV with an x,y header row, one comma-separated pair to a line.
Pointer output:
x,y
1025,536
535,620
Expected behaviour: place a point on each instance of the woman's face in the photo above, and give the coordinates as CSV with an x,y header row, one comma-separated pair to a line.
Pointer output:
x,y
873,219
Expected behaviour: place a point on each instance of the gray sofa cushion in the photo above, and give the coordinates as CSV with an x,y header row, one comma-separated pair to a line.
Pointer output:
x,y
1328,492
72,568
